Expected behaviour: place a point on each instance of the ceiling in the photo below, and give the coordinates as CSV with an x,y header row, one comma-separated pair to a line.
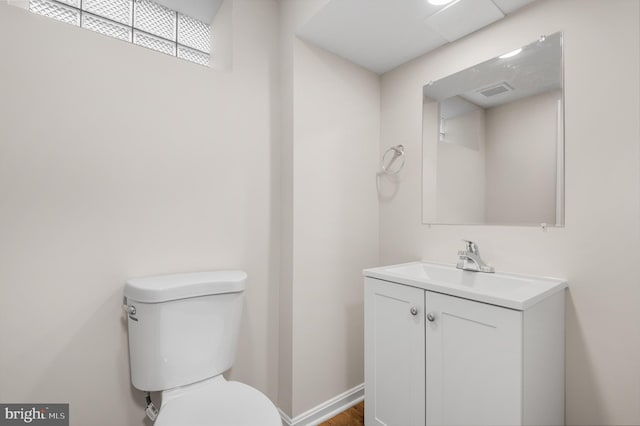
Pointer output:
x,y
202,10
382,34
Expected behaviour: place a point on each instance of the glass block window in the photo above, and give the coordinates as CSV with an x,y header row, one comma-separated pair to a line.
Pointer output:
x,y
156,43
142,22
155,19
106,27
193,55
193,33
56,10
116,10
74,3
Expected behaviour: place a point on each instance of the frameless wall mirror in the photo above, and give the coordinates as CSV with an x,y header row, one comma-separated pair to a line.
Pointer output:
x,y
493,141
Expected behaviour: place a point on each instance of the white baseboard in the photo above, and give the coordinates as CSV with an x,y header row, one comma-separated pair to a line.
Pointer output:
x,y
327,409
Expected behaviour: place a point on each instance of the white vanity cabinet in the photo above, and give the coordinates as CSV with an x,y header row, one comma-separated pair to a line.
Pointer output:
x,y
437,358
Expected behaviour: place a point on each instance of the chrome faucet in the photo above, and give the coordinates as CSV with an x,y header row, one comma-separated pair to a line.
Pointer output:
x,y
470,259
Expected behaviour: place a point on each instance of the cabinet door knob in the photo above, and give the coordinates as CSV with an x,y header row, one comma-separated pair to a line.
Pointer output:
x,y
414,311
431,316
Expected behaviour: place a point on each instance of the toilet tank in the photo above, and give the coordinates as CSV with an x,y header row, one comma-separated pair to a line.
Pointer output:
x,y
183,328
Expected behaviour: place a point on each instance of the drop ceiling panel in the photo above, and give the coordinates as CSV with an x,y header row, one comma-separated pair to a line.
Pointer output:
x,y
376,34
381,34
509,6
464,17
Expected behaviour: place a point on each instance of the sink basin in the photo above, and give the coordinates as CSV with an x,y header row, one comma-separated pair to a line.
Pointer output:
x,y
508,290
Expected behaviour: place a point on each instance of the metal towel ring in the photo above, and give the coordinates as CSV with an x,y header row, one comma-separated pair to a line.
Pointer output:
x,y
397,152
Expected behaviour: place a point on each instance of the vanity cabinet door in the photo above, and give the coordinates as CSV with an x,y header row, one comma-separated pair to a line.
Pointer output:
x,y
473,362
394,354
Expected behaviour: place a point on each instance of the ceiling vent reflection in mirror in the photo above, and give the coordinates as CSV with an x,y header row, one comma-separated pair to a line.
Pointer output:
x,y
140,22
496,89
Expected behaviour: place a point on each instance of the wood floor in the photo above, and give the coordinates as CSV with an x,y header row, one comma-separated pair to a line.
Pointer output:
x,y
354,416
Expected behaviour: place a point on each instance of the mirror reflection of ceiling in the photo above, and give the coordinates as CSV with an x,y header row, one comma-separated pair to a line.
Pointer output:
x,y
202,10
535,68
382,34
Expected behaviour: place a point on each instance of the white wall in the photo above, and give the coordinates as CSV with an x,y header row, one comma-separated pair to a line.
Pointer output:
x,y
521,160
599,248
116,162
330,219
292,15
336,135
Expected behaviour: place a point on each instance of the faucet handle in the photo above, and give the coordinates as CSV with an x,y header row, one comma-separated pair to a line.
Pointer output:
x,y
470,246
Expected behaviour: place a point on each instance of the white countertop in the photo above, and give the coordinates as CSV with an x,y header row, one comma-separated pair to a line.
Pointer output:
x,y
512,291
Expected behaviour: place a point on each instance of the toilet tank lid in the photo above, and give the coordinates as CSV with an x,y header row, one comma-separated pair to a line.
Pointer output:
x,y
163,288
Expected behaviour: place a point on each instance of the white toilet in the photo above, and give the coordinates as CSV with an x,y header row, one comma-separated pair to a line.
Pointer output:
x,y
183,331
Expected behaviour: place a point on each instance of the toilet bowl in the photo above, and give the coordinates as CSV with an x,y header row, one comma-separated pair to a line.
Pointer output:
x,y
216,401
183,331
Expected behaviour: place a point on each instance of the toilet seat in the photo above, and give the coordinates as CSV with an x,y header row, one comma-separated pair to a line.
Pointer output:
x,y
217,402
